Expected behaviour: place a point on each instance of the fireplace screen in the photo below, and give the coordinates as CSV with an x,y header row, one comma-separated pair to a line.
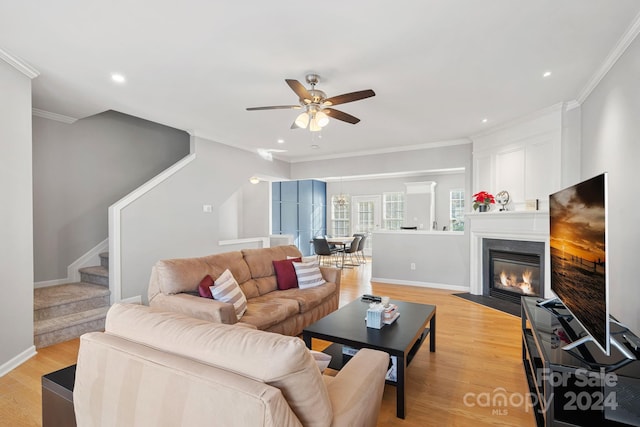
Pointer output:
x,y
515,273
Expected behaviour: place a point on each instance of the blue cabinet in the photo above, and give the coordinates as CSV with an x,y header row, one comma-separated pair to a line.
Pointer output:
x,y
299,208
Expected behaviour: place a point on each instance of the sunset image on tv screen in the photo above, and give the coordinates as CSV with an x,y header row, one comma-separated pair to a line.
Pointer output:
x,y
578,253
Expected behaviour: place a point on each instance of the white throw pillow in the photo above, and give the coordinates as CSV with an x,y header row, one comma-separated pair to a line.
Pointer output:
x,y
309,274
226,289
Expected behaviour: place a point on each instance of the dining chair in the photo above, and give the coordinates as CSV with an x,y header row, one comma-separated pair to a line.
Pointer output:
x,y
352,249
322,250
331,245
360,250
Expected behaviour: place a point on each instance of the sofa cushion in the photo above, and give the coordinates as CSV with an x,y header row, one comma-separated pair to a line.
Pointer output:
x,y
285,273
255,354
260,261
307,299
180,275
226,289
203,287
308,274
264,311
233,261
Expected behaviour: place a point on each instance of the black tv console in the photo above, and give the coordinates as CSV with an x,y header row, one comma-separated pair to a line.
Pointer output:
x,y
578,387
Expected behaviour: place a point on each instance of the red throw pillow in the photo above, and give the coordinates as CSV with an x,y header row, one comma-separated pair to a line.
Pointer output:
x,y
286,274
203,287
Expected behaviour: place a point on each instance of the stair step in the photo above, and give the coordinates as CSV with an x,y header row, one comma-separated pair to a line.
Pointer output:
x,y
97,274
69,298
104,259
64,328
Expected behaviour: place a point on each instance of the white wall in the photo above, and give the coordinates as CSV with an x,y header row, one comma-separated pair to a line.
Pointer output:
x,y
80,169
611,142
16,219
169,222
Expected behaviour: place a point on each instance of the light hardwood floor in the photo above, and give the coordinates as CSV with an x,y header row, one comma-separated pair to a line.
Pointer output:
x,y
477,362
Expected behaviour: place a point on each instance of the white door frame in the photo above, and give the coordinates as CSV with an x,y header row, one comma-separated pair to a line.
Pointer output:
x,y
377,215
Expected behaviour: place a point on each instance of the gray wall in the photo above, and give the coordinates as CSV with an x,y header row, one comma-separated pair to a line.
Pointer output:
x,y
168,221
242,214
611,142
441,259
16,222
255,221
79,170
425,159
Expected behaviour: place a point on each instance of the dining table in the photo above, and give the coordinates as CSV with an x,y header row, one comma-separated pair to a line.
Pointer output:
x,y
341,241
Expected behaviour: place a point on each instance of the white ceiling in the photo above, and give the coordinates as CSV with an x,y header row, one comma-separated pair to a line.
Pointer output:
x,y
438,67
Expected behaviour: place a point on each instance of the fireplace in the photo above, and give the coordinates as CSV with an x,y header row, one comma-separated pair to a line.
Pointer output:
x,y
512,269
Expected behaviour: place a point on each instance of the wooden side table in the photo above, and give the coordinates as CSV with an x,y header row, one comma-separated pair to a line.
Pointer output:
x,y
57,398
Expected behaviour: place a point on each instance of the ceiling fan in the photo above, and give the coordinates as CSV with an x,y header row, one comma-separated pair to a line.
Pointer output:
x,y
316,105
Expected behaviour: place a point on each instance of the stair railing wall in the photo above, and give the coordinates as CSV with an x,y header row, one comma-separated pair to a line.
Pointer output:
x,y
115,210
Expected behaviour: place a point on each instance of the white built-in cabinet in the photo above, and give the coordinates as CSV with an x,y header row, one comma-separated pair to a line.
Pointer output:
x,y
524,158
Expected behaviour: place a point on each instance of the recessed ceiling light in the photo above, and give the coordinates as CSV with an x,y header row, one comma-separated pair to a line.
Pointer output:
x,y
546,74
484,120
118,78
281,141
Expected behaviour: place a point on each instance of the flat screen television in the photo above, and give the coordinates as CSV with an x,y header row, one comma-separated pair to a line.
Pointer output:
x,y
579,264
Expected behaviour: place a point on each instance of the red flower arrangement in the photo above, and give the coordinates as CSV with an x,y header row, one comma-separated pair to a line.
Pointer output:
x,y
482,199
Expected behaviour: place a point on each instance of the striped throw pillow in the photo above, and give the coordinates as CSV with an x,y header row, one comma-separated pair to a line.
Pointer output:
x,y
226,289
309,274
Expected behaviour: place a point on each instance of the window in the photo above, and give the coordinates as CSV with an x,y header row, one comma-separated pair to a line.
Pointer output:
x,y
392,210
340,213
456,210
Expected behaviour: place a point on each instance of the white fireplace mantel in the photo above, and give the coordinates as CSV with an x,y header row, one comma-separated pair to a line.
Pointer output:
x,y
530,226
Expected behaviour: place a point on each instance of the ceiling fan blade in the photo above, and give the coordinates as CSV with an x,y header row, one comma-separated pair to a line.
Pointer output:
x,y
299,89
349,97
341,115
275,107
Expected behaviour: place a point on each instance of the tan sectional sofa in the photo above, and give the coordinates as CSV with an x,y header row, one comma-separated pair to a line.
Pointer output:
x,y
152,368
174,284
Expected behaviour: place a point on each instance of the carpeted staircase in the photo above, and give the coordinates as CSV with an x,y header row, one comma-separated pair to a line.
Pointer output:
x,y
64,312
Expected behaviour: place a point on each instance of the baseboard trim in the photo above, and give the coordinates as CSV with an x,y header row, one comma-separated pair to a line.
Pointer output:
x,y
18,360
133,300
421,284
47,283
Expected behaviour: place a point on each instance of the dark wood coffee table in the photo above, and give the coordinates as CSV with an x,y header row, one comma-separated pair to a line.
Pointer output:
x,y
402,339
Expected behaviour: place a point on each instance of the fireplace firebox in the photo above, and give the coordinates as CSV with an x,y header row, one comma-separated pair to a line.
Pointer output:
x,y
512,269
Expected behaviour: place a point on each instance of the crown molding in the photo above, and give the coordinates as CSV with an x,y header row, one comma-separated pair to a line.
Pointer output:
x,y
429,145
619,49
19,64
53,116
570,105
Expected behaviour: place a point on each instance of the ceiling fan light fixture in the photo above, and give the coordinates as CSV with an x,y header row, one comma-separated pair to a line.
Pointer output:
x,y
302,120
322,119
313,101
314,126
